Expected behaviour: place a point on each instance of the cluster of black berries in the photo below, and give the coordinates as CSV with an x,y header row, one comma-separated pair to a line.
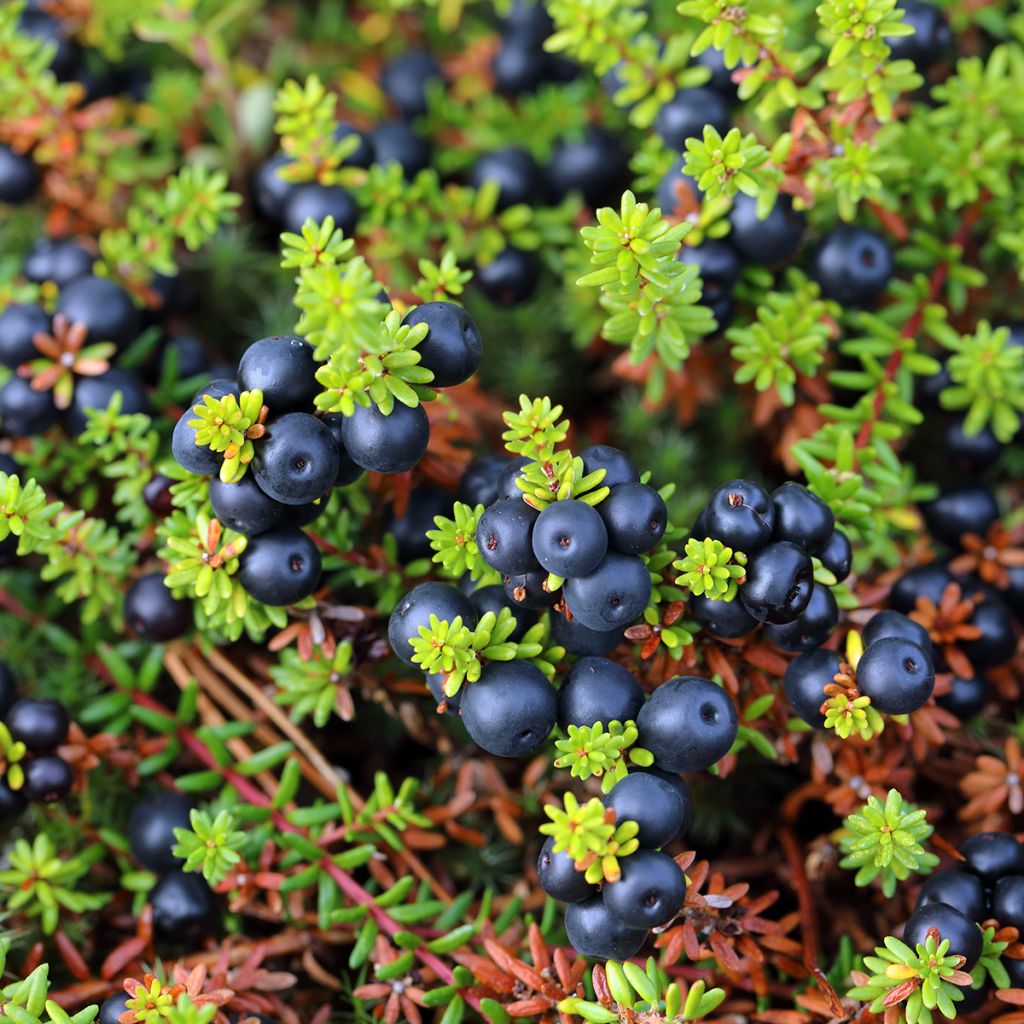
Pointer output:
x,y
299,456
688,724
895,670
595,549
987,886
779,533
37,727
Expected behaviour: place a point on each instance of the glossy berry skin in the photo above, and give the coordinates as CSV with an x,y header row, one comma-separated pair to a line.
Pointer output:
x,y
12,804
970,453
650,891
596,932
504,536
112,1007
998,641
452,349
153,613
386,444
896,674
1015,969
284,369
688,724
185,355
720,268
836,555
18,176
772,241
60,260
397,142
8,689
569,538
617,465
598,690
313,201
686,114
558,876
24,412
270,191
184,908
510,710
510,278
740,514
611,596
1008,901
993,855
98,393
280,567
404,81
597,166
513,170
410,529
506,484
922,581
958,889
812,627
529,590
492,599
779,583
656,805
964,934
47,779
297,460
852,265
19,323
577,639
801,517
415,609
932,39
348,471
197,459
447,705
479,483
805,680
971,508
243,507
966,697
889,623
726,619
40,723
104,307
635,518
151,829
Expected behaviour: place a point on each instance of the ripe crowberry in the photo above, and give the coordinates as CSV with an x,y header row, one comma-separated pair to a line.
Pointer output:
x,y
778,583
661,809
635,518
852,264
740,514
513,170
397,142
611,596
184,909
595,931
510,278
297,460
958,889
597,166
993,855
405,78
726,619
558,876
896,674
889,623
773,240
964,934
394,443
104,307
60,260
151,829
312,201
47,779
617,465
284,369
598,690
649,893
801,517
805,680
19,324
576,638
452,348
504,537
280,567
569,538
153,613
18,176
686,114
414,610
970,508
510,710
40,723
812,627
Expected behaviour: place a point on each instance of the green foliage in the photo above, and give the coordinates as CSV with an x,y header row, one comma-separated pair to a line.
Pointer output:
x,y
850,716
884,841
712,569
607,753
210,846
27,1001
11,753
26,514
535,430
228,425
560,477
454,542
930,972
737,163
590,835
312,686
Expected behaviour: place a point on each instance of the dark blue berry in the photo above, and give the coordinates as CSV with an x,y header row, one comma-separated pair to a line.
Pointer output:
x,y
958,889
596,166
12,804
801,517
998,640
970,508
529,590
104,307
805,680
611,596
531,19
348,471
594,931
19,324
655,804
778,583
569,538
396,142
244,507
410,529
598,690
414,610
635,518
60,260
649,893
1007,902
965,698
932,39
559,878
852,265
493,598
837,555
504,536
720,268
726,619
280,567
452,348
182,356
510,473
479,482
151,829
510,278
316,202
896,674
686,114
740,514
283,368
520,65
270,191
297,460
40,723
98,392
923,581
24,411
510,710
362,155
578,639
688,724
890,623
773,240
8,689
392,443
112,1007
993,855
964,934
617,465
184,908
18,176
812,627
970,453
404,80
66,52
197,459
153,613
678,195
513,170
47,779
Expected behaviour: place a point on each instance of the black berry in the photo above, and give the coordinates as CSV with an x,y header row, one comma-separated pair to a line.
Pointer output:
x,y
24,411
852,264
635,518
19,324
896,674
559,878
244,507
597,166
617,465
773,240
153,613
740,514
184,909
993,855
40,723
280,567
649,893
970,508
889,623
837,555
394,443
312,201
805,680
964,935
576,638
686,114
812,627
510,710
452,348
104,307
513,170
958,889
60,260
283,369
598,690
18,176
1008,901
726,619
404,81
415,609
151,829
611,596
504,537
801,517
297,460
660,808
510,278
397,142
778,583
569,538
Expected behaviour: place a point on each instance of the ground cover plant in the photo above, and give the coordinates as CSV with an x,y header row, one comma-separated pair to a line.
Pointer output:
x,y
511,511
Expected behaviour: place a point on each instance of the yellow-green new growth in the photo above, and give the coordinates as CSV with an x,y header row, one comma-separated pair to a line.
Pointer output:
x,y
229,425
590,835
711,569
